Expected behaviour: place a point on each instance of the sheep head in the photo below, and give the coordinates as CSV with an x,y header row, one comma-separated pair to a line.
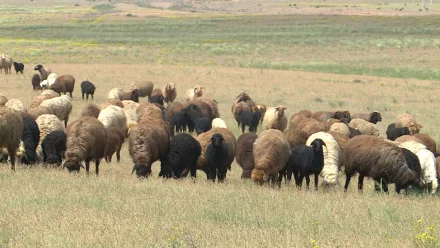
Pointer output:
x,y
257,175
280,109
198,91
414,128
73,165
171,87
317,145
375,117
142,170
404,131
38,67
217,140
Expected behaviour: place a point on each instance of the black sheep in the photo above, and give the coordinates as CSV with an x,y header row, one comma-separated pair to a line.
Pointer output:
x,y
394,132
54,146
194,113
156,99
203,124
183,154
36,82
217,158
250,119
87,88
30,137
180,120
413,163
306,160
19,67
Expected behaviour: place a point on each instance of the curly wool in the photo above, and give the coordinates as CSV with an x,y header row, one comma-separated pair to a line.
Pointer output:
x,y
115,93
113,116
341,128
365,127
406,120
16,104
331,153
60,106
272,120
217,122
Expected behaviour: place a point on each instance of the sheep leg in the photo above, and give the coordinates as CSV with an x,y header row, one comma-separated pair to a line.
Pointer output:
x,y
243,128
385,186
87,167
296,177
97,167
360,183
347,181
301,178
70,93
307,181
118,154
377,185
12,152
82,95
316,181
193,171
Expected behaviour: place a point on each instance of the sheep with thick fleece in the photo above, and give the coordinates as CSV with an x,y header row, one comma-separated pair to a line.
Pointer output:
x,y
421,138
115,139
17,105
212,104
63,84
54,147
60,106
113,116
341,128
11,128
275,118
365,127
340,139
129,109
427,163
373,117
145,88
148,142
332,153
169,93
90,109
307,125
271,152
191,94
115,93
217,122
149,110
46,124
86,141
295,137
406,120
244,153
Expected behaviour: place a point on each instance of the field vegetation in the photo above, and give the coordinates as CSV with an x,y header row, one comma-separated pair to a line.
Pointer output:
x,y
317,55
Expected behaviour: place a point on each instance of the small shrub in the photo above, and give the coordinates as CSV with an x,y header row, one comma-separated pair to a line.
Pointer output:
x,y
103,6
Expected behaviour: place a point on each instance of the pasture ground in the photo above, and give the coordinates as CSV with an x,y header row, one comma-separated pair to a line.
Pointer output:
x,y
305,55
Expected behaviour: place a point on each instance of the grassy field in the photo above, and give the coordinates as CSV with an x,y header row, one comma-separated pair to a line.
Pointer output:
x,y
331,57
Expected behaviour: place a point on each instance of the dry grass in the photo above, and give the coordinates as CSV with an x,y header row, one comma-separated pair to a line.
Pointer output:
x,y
43,207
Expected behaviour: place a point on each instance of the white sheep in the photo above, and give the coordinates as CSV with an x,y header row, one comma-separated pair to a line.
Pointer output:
x,y
51,79
130,112
191,94
406,120
47,124
365,127
113,116
16,104
217,122
60,106
115,93
341,128
332,153
427,163
275,118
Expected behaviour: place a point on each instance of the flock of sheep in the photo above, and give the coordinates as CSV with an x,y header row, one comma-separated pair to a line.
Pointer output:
x,y
322,144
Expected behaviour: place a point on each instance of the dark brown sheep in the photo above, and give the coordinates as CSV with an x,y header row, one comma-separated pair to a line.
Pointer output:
x,y
295,137
11,124
64,84
212,104
373,157
205,108
343,116
90,109
242,97
156,97
115,139
421,138
173,108
239,108
86,141
36,82
131,95
373,117
244,155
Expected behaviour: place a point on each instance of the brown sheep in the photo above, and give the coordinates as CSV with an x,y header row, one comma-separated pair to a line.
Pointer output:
x,y
328,123
421,138
37,100
239,108
373,117
173,108
204,140
11,124
90,109
131,95
148,141
205,108
145,88
115,139
64,84
373,157
340,139
109,102
243,153
3,100
147,110
242,97
86,141
343,116
262,109
295,137
271,154
212,104
169,93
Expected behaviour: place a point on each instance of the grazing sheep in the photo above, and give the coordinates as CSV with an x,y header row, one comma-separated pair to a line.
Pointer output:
x,y
64,84
17,105
113,116
275,118
250,119
44,72
262,109
87,88
54,147
217,158
169,93
145,88
217,122
156,97
5,63
19,67
115,93
48,123
295,137
11,126
242,97
115,139
394,132
427,163
204,140
203,124
306,160
129,109
365,127
131,95
31,137
331,153
341,128
60,106
406,120
36,82
244,153
212,104
413,163
86,141
148,142
90,109
183,155
191,94
149,110
240,108
373,117
373,157
271,152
